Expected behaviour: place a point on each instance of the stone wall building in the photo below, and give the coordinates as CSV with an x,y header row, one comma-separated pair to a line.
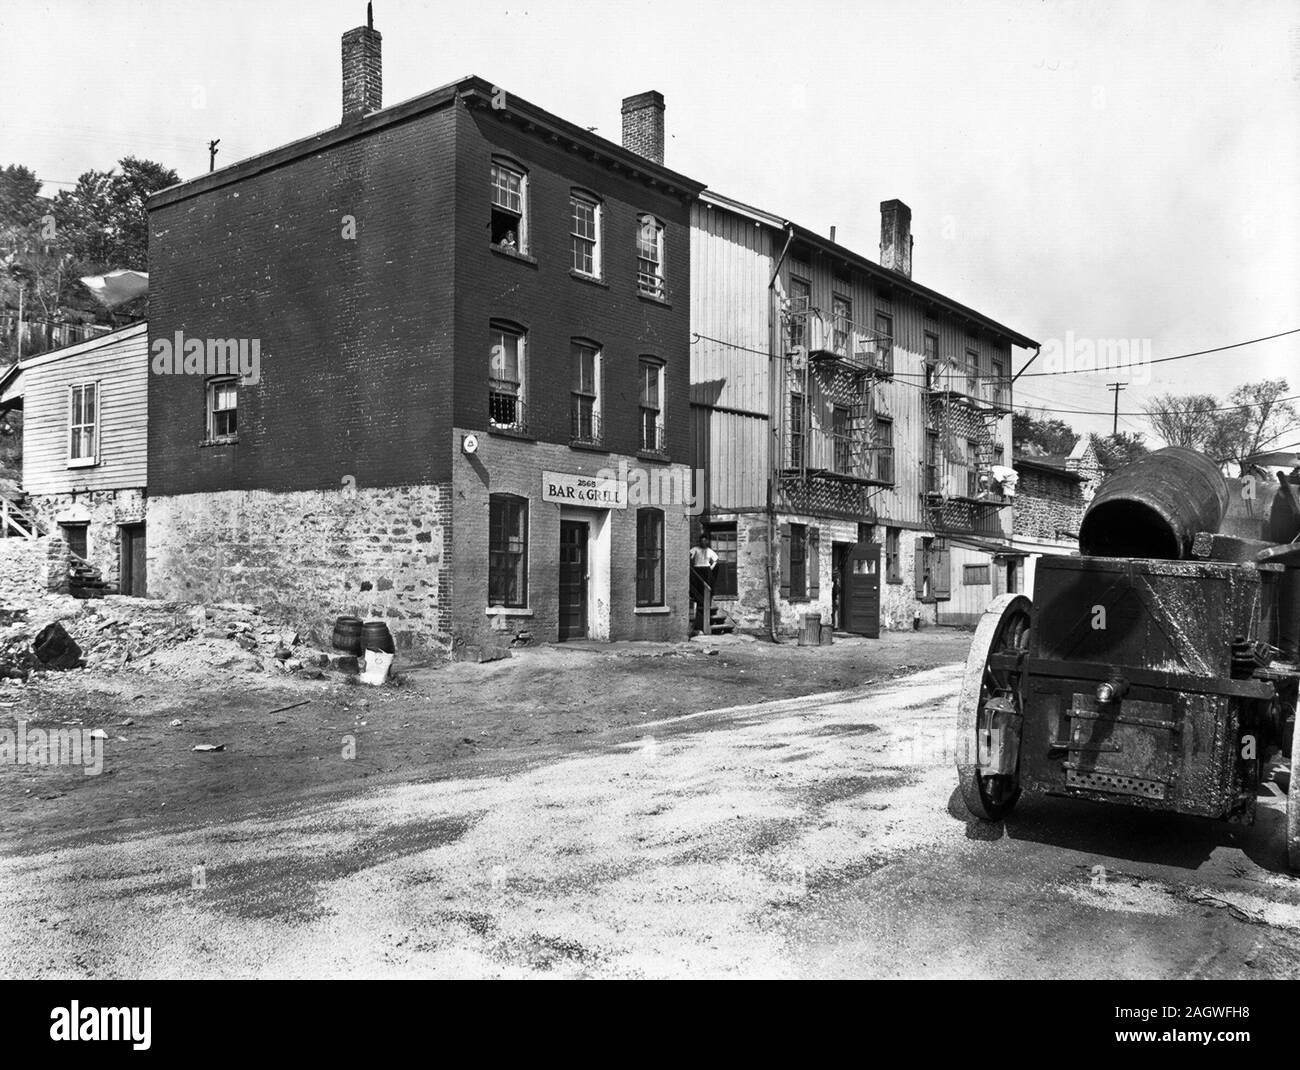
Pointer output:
x,y
84,442
471,318
1052,493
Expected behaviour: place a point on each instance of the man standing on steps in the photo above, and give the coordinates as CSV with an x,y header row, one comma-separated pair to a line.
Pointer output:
x,y
704,563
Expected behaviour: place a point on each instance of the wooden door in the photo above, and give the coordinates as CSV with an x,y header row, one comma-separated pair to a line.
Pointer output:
x,y
573,579
131,561
861,585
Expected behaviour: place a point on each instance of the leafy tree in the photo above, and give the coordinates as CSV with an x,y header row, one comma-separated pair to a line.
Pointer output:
x,y
1115,451
1254,417
1031,434
104,214
20,201
1260,419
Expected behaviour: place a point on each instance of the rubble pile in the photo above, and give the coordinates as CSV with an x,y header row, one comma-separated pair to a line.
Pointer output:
x,y
121,633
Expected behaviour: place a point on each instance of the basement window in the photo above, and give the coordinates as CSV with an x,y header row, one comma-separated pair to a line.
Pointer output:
x,y
509,224
223,410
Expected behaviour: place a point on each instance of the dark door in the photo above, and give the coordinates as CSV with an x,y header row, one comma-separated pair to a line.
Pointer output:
x,y
131,578
861,585
573,579
839,560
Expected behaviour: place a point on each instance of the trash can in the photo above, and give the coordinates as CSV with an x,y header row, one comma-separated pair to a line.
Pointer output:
x,y
811,632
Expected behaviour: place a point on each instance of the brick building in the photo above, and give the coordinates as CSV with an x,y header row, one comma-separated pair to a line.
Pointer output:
x,y
470,408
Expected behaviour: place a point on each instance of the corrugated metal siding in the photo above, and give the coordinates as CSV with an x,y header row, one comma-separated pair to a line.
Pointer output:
x,y
737,461
122,369
731,263
902,399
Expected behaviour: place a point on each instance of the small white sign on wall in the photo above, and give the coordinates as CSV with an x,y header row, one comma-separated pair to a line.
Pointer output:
x,y
565,488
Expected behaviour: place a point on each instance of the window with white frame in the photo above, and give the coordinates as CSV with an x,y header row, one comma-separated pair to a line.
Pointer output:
x,y
652,411
585,405
506,377
509,207
223,410
83,424
650,256
584,234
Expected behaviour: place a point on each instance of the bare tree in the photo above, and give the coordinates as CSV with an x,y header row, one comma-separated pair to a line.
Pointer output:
x,y
1183,420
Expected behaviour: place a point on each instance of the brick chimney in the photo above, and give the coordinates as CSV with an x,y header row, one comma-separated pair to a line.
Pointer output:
x,y
896,237
643,125
363,73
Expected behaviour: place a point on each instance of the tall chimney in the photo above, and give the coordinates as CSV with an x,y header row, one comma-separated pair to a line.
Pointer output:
x,y
363,71
643,125
896,237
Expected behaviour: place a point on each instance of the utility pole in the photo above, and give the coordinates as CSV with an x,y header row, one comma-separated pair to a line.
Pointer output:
x,y
1117,387
212,154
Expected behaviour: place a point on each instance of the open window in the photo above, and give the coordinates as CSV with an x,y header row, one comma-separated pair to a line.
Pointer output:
x,y
652,405
585,403
650,256
506,367
509,206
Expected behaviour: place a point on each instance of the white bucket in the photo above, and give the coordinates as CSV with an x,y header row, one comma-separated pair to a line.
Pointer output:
x,y
377,665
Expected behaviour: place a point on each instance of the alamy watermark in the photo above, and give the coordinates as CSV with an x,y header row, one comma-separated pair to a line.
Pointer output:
x,y
208,356
1076,354
661,485
54,746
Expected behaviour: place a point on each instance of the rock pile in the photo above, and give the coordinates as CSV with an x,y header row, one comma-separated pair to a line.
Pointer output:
x,y
121,633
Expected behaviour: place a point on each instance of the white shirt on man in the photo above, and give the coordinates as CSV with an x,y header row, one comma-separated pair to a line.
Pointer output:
x,y
703,557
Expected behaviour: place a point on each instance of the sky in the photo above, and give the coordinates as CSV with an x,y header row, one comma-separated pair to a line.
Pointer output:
x,y
1077,171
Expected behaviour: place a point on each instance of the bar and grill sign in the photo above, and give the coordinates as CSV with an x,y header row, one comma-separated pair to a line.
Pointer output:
x,y
566,488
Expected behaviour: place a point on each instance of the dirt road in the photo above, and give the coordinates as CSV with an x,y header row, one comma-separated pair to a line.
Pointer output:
x,y
805,837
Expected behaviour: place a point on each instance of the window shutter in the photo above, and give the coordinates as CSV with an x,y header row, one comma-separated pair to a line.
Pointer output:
x,y
785,560
918,565
813,558
942,577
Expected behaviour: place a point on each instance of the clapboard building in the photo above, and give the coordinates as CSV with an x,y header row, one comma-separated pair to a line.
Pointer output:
x,y
470,411
854,426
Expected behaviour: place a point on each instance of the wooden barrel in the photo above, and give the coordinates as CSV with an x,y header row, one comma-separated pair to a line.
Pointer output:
x,y
1155,506
376,636
347,635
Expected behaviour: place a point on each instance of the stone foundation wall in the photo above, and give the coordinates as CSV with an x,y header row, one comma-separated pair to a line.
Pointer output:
x,y
101,511
30,568
312,556
749,609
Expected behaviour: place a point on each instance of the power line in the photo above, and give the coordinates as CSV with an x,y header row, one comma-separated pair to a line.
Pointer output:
x,y
1050,406
1047,403
1063,371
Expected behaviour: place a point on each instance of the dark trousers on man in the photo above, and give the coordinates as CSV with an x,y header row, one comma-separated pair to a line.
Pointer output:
x,y
704,581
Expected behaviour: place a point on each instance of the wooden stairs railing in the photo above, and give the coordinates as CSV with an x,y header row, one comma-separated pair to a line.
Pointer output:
x,y
707,615
16,523
84,579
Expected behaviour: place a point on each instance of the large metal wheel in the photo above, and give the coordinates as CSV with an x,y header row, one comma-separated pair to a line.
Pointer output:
x,y
1293,813
1004,628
